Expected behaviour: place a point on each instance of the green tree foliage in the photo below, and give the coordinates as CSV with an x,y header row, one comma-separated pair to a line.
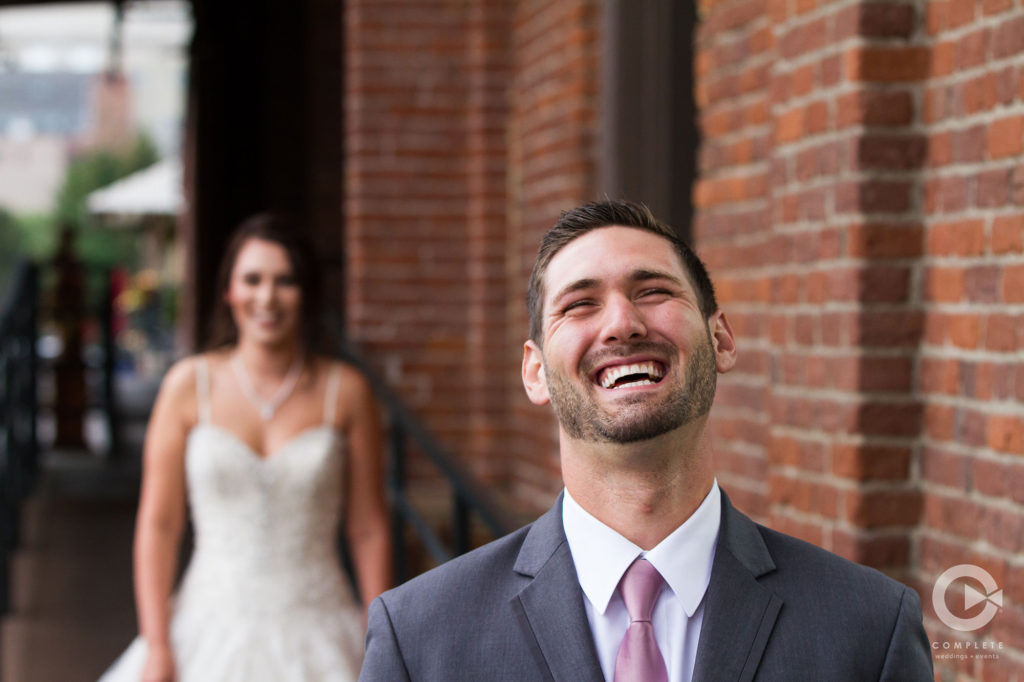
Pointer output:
x,y
36,236
95,170
98,246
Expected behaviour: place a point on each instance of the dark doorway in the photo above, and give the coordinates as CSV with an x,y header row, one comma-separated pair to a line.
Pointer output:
x,y
264,130
648,113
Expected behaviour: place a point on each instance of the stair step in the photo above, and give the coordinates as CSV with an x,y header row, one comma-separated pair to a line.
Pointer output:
x,y
71,579
44,650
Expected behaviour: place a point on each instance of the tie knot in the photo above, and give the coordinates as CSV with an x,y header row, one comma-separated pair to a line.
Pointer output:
x,y
640,588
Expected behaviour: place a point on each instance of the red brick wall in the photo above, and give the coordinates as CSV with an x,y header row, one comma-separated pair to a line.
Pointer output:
x,y
860,206
732,230
552,167
424,202
970,372
469,125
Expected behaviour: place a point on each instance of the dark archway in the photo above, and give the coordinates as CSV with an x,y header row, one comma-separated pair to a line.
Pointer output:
x,y
264,131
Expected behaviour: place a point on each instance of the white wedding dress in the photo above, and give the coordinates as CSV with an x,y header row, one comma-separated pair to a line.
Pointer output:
x,y
264,597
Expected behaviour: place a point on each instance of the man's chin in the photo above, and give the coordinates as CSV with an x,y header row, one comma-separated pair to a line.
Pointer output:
x,y
640,426
639,421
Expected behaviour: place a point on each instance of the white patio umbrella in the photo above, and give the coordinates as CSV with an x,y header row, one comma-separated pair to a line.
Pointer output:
x,y
150,192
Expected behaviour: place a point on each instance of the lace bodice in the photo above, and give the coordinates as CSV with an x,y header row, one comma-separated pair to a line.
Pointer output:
x,y
265,528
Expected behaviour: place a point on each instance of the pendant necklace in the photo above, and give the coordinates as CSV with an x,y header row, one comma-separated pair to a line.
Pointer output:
x,y
266,408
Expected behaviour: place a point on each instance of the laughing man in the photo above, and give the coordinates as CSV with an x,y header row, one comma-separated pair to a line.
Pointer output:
x,y
642,571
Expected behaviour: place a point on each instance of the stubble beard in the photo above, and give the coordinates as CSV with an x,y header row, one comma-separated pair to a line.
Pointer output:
x,y
637,416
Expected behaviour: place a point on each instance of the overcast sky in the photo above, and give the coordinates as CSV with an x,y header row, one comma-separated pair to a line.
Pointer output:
x,y
76,37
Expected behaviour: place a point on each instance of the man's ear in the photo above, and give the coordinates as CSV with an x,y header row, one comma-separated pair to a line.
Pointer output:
x,y
722,341
534,380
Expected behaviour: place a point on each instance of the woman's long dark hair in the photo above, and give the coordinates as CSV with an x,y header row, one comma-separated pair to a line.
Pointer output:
x,y
279,228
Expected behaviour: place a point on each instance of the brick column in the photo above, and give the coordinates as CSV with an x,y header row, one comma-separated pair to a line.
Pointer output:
x,y
488,388
469,126
970,370
860,203
811,218
735,47
552,166
423,203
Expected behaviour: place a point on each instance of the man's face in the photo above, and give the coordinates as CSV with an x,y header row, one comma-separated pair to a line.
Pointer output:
x,y
627,353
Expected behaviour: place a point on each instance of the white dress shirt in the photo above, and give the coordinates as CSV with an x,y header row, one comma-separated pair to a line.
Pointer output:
x,y
684,560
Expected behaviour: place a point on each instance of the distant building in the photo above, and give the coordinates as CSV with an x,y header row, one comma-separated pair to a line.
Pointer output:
x,y
65,89
31,171
44,104
47,118
39,114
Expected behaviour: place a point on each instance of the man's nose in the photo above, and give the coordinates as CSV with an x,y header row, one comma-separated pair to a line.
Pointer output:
x,y
622,321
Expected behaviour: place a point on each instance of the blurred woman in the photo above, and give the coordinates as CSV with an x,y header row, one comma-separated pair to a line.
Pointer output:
x,y
272,447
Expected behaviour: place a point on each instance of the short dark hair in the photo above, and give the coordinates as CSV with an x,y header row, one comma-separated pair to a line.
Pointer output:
x,y
591,216
281,229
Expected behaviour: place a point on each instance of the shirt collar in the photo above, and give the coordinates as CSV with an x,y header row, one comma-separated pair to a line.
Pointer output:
x,y
683,558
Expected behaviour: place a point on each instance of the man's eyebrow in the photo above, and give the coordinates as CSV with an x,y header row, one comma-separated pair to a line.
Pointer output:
x,y
643,275
588,283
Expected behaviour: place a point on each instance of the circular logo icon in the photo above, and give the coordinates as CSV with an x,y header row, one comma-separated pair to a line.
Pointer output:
x,y
992,596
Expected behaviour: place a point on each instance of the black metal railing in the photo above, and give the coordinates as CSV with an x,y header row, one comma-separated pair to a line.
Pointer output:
x,y
20,368
19,448
467,496
108,399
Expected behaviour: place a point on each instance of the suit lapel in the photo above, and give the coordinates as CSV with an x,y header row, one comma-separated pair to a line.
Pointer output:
x,y
739,613
550,606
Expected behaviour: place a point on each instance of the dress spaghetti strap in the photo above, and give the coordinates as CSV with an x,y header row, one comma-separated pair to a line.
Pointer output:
x,y
331,395
203,389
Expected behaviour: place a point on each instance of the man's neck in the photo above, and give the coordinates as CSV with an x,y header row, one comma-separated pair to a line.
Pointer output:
x,y
644,490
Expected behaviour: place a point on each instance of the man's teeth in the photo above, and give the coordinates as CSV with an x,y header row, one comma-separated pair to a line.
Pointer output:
x,y
648,373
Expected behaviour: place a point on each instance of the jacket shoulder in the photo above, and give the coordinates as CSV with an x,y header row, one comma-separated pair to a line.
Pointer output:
x,y
479,574
812,568
846,615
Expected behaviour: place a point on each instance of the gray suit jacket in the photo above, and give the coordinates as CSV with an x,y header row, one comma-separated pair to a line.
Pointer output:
x,y
777,608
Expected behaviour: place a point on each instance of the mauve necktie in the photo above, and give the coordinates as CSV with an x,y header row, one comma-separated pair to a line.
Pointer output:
x,y
639,659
